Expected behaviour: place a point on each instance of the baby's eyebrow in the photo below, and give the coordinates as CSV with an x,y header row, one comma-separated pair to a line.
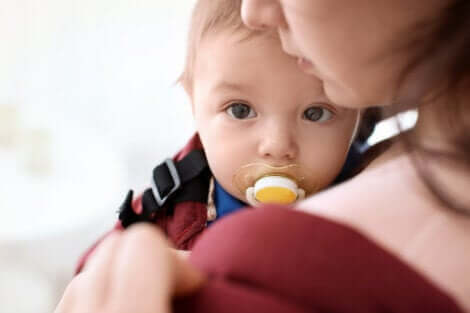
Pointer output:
x,y
232,86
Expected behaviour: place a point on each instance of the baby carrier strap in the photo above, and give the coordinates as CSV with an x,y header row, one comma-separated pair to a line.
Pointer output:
x,y
172,183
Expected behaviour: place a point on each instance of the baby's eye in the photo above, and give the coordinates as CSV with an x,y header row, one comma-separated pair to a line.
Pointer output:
x,y
240,111
317,114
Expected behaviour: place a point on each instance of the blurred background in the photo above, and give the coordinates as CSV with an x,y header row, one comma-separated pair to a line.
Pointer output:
x,y
88,106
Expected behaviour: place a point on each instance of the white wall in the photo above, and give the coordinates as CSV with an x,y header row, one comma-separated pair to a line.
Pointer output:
x,y
108,65
88,102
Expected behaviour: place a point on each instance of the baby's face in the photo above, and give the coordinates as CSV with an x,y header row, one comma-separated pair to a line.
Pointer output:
x,y
252,104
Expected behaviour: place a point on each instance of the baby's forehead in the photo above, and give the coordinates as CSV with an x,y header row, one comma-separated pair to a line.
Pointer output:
x,y
238,50
256,59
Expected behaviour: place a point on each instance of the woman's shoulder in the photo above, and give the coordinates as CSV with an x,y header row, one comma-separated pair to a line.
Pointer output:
x,y
372,202
390,205
310,262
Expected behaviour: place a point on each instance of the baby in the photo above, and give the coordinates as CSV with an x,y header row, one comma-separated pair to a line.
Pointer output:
x,y
266,133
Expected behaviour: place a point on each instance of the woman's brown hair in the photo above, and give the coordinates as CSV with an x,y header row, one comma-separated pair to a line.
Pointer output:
x,y
447,48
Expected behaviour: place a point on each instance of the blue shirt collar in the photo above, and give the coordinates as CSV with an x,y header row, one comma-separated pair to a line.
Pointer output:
x,y
225,203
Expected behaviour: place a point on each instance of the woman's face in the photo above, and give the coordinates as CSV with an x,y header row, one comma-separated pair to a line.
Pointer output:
x,y
358,48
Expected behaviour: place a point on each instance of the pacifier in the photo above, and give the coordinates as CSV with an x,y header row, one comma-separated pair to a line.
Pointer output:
x,y
262,183
274,189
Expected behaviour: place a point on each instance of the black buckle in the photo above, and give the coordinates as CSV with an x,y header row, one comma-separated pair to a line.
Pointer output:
x,y
176,181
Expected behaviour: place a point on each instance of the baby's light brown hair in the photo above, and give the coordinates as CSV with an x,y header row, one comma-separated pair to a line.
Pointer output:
x,y
210,17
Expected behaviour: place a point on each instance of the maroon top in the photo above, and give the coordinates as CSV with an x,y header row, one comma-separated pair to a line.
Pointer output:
x,y
273,259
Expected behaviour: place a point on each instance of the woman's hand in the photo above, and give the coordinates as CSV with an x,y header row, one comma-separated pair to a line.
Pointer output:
x,y
132,272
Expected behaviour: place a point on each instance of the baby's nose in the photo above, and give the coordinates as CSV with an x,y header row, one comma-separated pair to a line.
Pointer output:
x,y
278,144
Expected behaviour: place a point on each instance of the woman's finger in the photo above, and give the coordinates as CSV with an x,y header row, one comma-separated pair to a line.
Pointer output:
x,y
87,291
67,301
103,254
184,254
187,278
142,271
150,273
98,276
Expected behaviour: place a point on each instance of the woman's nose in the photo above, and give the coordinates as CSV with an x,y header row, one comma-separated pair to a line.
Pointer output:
x,y
261,14
278,145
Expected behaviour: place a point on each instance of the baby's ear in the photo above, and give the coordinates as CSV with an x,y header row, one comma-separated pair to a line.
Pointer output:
x,y
190,97
184,81
188,89
187,86
192,106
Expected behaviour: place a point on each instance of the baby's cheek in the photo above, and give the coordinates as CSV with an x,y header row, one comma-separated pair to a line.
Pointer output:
x,y
322,172
223,167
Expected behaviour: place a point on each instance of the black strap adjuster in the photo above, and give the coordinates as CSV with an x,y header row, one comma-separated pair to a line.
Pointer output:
x,y
172,182
171,168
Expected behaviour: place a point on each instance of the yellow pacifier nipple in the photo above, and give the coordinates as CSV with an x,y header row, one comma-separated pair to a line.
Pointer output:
x,y
275,189
263,183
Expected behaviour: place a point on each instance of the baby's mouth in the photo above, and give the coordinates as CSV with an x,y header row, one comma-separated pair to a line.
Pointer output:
x,y
263,183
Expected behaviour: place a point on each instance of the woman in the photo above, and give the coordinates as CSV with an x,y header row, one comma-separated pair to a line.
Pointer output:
x,y
406,217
